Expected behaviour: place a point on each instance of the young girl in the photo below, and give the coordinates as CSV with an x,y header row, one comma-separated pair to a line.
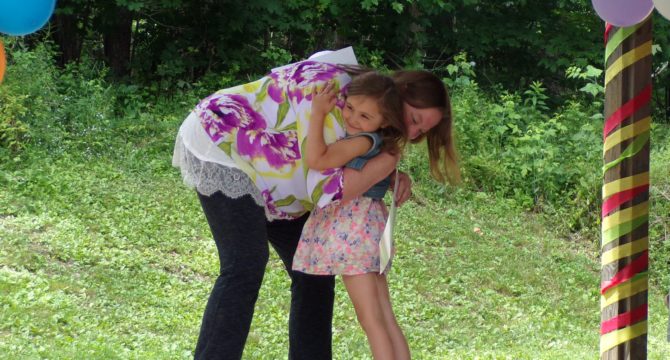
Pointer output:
x,y
343,238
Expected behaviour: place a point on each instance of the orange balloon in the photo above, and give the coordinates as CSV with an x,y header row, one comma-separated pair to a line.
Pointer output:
x,y
3,61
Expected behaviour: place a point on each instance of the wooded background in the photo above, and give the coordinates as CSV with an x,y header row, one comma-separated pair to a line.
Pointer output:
x,y
175,42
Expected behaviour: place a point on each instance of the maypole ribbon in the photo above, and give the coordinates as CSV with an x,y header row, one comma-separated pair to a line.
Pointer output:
x,y
615,186
638,265
625,250
625,319
617,38
627,110
627,132
636,285
608,28
625,207
621,197
627,60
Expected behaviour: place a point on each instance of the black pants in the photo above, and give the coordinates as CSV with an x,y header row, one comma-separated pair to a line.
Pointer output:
x,y
241,233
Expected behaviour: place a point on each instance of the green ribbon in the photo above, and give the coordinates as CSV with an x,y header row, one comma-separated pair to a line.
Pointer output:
x,y
630,151
622,229
618,37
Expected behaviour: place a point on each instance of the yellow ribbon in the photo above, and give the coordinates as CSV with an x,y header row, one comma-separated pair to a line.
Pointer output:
x,y
624,250
623,291
625,215
626,60
623,184
626,133
610,340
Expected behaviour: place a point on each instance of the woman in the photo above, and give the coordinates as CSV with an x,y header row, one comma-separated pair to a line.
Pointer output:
x,y
240,149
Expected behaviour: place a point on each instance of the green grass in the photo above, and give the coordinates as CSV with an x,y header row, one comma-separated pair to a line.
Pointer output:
x,y
105,255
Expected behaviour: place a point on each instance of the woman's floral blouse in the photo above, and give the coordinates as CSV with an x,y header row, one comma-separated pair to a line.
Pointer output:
x,y
262,126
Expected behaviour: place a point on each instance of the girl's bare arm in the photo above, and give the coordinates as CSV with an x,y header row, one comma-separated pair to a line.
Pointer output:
x,y
319,155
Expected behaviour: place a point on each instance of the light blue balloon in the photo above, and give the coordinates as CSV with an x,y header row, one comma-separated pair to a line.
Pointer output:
x,y
22,17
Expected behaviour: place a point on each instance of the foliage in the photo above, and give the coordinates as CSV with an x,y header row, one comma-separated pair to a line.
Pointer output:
x,y
514,145
12,130
591,73
661,73
461,72
180,39
178,42
26,93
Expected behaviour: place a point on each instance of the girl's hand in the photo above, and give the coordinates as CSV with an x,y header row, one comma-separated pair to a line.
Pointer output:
x,y
324,100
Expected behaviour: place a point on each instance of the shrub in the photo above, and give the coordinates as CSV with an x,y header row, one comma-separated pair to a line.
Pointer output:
x,y
513,145
12,130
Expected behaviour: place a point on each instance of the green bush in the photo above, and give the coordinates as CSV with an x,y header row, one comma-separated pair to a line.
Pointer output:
x,y
514,145
12,130
27,96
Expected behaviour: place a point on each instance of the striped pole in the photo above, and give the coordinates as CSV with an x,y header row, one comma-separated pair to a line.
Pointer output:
x,y
625,209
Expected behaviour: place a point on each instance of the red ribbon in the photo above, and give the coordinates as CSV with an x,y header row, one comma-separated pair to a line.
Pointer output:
x,y
634,267
623,320
608,28
619,198
627,110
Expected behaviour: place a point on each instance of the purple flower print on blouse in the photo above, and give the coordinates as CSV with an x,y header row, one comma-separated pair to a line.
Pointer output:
x,y
295,80
270,205
222,115
278,149
334,184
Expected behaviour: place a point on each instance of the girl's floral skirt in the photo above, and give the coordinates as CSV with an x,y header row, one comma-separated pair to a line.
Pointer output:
x,y
342,238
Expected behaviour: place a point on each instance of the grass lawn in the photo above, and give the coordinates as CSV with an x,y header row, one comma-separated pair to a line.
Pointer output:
x,y
106,255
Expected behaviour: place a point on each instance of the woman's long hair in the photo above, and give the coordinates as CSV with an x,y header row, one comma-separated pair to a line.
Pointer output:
x,y
422,90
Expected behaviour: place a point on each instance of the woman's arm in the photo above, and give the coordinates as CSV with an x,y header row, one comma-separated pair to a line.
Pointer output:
x,y
320,156
356,182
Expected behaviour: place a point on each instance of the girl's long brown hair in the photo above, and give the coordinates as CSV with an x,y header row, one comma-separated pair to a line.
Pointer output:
x,y
422,89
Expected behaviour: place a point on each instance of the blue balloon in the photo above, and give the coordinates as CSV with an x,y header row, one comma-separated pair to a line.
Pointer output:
x,y
22,17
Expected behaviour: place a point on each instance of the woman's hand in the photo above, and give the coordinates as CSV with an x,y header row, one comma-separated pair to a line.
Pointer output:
x,y
404,187
323,100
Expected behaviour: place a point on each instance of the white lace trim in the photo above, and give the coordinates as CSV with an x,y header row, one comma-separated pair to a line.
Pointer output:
x,y
209,177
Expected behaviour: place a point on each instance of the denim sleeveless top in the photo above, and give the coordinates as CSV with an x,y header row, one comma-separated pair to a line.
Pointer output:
x,y
378,190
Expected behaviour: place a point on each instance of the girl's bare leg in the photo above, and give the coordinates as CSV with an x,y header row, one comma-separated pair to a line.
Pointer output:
x,y
364,294
400,347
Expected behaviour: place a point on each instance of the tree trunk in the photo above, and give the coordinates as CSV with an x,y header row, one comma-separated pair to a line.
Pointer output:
x,y
68,37
117,40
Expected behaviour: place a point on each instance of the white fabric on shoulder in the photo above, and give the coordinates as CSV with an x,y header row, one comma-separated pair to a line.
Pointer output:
x,y
196,139
344,56
316,55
